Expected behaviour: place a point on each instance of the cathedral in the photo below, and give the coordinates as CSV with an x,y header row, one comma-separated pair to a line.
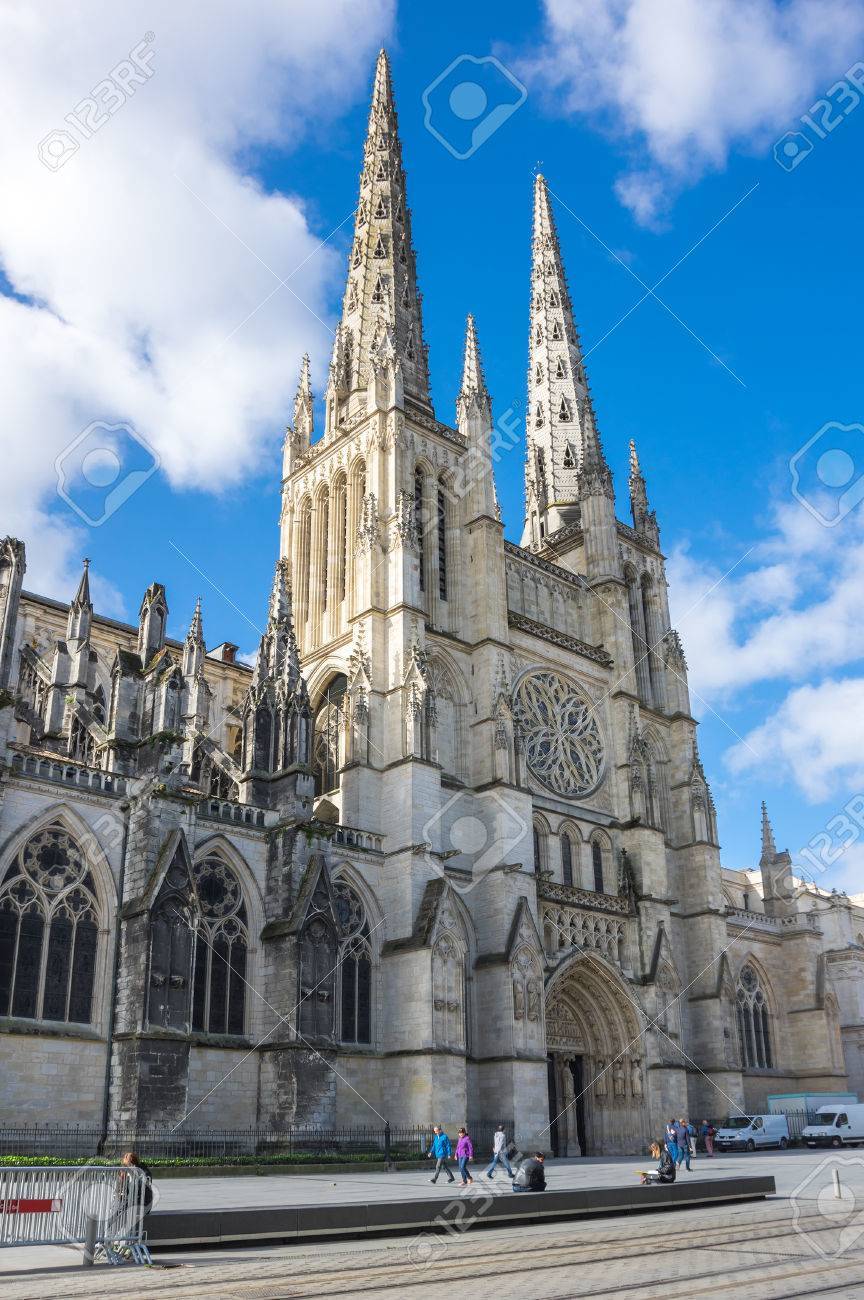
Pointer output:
x,y
448,851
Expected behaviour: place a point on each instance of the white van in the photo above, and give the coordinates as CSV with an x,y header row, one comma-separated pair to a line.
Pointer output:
x,y
747,1132
836,1126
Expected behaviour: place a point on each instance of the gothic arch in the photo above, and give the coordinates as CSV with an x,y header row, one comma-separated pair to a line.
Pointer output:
x,y
756,1016
541,834
570,845
601,863
87,838
450,696
594,1035
100,884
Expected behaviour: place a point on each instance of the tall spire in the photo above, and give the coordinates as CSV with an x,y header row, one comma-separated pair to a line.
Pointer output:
x,y
381,297
769,848
81,608
473,379
474,420
559,404
644,518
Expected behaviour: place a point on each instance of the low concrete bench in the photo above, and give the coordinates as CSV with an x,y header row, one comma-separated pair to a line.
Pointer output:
x,y
295,1222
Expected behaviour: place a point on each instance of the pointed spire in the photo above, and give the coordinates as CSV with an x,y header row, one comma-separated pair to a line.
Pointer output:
x,y
473,379
559,404
474,420
81,609
193,647
303,409
644,518
769,848
382,274
594,477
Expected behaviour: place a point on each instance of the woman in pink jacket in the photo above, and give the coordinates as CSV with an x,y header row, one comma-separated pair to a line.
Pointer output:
x,y
464,1153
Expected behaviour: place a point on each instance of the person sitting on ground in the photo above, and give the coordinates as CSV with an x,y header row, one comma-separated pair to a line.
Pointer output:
x,y
665,1171
530,1176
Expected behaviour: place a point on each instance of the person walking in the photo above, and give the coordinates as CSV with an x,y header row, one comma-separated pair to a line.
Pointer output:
x,y
499,1154
665,1171
708,1136
442,1151
464,1153
671,1137
683,1139
529,1177
691,1137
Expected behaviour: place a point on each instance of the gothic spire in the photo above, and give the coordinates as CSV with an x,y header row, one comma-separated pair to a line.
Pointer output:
x,y
473,379
769,848
278,655
474,420
193,647
594,476
559,404
81,608
381,296
303,421
644,518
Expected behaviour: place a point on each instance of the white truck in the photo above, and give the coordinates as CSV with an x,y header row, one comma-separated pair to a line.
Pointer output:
x,y
747,1132
836,1126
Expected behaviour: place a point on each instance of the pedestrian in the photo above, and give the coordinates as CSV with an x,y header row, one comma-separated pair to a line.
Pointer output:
x,y
131,1160
671,1137
499,1154
131,1210
708,1136
464,1153
442,1151
665,1171
683,1141
691,1137
529,1177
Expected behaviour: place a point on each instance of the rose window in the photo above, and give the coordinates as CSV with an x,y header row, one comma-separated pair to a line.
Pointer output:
x,y
563,745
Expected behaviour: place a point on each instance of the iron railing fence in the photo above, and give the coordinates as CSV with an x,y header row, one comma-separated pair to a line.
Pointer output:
x,y
405,1142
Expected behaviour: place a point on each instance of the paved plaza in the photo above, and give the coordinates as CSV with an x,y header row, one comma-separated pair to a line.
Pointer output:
x,y
802,1242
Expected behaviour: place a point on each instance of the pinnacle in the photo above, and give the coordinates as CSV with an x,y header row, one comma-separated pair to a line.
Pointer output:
x,y
769,848
635,470
382,91
196,627
82,595
473,379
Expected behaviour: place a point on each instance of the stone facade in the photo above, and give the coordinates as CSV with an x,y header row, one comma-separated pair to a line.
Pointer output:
x,y
449,850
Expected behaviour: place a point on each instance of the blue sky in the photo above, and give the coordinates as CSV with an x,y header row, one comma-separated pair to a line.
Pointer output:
x,y
755,350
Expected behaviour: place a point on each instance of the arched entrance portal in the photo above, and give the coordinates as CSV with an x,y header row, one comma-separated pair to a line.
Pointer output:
x,y
597,1080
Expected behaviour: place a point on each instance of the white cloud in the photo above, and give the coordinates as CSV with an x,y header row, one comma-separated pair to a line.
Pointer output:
x,y
685,81
143,305
790,608
814,736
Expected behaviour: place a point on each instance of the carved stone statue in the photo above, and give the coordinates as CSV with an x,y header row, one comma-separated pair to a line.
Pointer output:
x,y
635,1079
618,1079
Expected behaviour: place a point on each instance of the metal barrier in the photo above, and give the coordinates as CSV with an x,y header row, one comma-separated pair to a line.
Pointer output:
x,y
100,1208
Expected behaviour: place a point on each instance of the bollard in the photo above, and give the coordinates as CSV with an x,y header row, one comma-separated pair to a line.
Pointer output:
x,y
387,1164
91,1226
838,1190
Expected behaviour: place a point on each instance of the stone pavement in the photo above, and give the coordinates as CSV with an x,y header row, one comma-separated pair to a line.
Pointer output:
x,y
789,1246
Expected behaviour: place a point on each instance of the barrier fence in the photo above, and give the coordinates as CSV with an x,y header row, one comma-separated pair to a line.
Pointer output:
x,y
400,1142
87,1205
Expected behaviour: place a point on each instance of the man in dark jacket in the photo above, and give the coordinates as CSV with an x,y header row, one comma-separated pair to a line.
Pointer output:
x,y
530,1176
